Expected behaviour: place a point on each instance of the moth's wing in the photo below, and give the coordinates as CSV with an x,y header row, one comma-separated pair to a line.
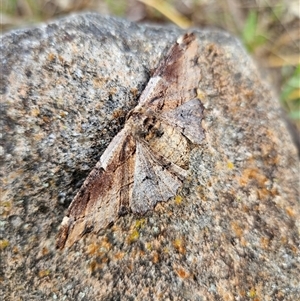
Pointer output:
x,y
104,195
173,134
155,179
187,119
176,79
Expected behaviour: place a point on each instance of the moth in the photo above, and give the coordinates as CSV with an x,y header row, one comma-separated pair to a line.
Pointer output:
x,y
147,161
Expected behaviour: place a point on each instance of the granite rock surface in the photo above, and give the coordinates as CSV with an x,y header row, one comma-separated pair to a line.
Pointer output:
x,y
231,233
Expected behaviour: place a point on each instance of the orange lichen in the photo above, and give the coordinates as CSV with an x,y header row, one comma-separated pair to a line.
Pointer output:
x,y
160,208
263,193
105,245
45,251
265,242
99,82
294,249
134,91
155,258
283,240
252,174
119,255
46,119
181,273
118,113
113,91
237,229
38,136
97,264
142,253
51,57
201,193
99,248
61,59
104,259
63,114
235,98
35,112
93,265
242,293
243,242
290,211
248,93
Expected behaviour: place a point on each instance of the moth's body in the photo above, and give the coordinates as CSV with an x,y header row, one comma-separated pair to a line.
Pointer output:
x,y
148,159
155,133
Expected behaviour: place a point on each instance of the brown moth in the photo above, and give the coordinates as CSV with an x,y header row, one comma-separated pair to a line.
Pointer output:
x,y
147,161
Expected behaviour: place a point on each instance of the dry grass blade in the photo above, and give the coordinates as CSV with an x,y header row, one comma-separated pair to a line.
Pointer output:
x,y
283,60
169,11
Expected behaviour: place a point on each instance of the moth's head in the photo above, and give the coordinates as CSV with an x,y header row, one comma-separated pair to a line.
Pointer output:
x,y
143,122
141,116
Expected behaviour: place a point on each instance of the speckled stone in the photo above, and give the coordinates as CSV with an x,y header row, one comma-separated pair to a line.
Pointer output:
x,y
232,233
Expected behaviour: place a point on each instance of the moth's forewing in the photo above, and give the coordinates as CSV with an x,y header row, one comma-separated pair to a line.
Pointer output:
x,y
187,119
155,179
176,79
104,193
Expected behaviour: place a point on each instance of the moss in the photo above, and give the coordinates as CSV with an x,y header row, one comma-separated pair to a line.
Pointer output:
x,y
4,243
230,165
178,244
178,199
44,273
140,223
252,293
133,236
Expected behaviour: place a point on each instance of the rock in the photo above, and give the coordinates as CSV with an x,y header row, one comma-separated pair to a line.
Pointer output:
x,y
232,233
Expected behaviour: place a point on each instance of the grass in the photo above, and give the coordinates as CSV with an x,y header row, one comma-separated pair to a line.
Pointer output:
x,y
269,29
